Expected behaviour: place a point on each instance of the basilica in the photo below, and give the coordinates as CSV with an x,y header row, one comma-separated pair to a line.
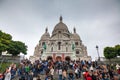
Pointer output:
x,y
61,45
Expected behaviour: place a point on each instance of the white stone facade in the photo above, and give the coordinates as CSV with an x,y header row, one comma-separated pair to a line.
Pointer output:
x,y
62,44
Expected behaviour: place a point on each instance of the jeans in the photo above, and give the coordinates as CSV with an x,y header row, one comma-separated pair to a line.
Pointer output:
x,y
64,78
60,77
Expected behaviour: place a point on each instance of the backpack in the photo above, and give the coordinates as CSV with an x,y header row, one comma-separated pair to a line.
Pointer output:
x,y
71,75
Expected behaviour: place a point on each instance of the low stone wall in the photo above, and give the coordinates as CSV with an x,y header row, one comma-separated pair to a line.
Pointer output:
x,y
7,58
103,60
112,62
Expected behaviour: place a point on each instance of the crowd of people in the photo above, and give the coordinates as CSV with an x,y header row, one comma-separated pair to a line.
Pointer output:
x,y
61,70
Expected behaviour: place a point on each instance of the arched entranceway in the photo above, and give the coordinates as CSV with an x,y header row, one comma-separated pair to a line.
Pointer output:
x,y
58,58
67,58
49,58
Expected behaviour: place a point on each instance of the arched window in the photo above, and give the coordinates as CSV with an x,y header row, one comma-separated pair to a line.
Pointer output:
x,y
43,43
59,45
66,43
59,31
52,49
77,52
76,43
52,43
41,51
66,49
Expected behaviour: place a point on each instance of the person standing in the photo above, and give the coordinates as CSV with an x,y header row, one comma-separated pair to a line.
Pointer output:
x,y
76,73
88,77
64,74
52,72
7,75
60,74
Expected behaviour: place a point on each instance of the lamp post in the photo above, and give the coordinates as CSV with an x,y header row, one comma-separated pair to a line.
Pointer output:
x,y
98,52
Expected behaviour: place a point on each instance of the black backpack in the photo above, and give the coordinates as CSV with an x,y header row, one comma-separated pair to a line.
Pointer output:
x,y
71,75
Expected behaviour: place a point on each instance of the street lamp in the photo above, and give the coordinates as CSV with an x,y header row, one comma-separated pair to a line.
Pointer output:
x,y
98,52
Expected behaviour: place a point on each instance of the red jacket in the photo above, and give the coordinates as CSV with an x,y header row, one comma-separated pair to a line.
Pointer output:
x,y
118,71
89,78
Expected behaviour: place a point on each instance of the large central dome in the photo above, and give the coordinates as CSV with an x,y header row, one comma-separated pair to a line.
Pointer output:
x,y
60,27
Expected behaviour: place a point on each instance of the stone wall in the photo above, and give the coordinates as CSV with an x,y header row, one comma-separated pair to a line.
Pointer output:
x,y
112,61
8,58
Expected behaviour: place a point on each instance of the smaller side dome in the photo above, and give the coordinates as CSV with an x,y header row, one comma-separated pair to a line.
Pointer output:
x,y
75,36
46,35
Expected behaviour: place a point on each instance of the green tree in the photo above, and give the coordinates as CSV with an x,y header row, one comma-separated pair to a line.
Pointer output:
x,y
5,36
17,47
109,53
4,41
12,47
117,50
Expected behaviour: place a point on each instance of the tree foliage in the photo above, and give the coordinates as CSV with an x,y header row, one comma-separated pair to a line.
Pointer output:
x,y
12,47
109,52
112,52
4,41
117,49
17,47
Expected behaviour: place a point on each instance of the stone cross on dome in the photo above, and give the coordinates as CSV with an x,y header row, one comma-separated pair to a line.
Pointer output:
x,y
74,29
46,30
60,18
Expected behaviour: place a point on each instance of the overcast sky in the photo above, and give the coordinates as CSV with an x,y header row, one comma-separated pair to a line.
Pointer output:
x,y
96,21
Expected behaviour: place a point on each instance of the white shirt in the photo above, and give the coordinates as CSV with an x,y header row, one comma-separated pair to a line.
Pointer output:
x,y
8,76
91,68
76,70
60,71
52,71
117,66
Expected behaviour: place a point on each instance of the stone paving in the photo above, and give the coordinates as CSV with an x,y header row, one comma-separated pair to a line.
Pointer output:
x,y
56,76
43,77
